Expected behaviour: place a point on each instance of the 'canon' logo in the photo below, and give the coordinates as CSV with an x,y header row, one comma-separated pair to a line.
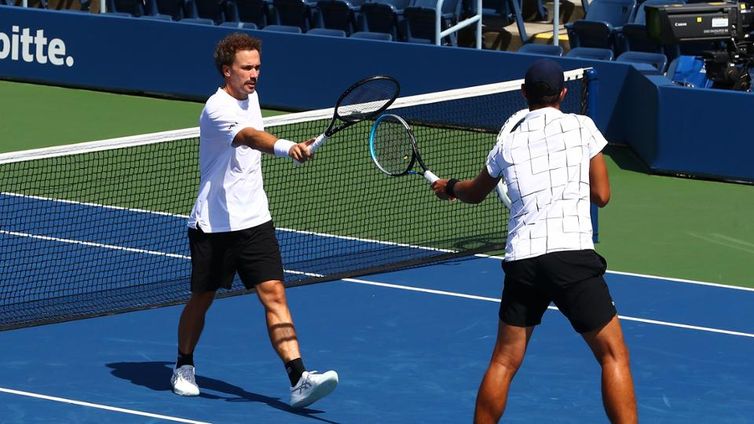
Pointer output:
x,y
21,45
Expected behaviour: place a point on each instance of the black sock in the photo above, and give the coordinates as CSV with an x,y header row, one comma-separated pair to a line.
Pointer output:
x,y
184,359
294,369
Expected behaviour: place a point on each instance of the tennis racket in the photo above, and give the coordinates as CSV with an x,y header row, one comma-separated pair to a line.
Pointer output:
x,y
393,148
502,189
365,99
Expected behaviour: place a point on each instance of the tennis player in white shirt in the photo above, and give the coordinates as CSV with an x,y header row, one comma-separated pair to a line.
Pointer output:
x,y
230,227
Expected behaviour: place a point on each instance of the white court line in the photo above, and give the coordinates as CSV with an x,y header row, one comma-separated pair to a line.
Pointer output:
x,y
105,407
93,244
682,280
179,216
654,277
495,300
729,242
126,249
419,289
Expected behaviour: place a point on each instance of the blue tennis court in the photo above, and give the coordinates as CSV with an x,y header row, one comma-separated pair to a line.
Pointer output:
x,y
410,346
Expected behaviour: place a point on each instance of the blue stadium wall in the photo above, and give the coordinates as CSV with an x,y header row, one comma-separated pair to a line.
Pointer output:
x,y
673,129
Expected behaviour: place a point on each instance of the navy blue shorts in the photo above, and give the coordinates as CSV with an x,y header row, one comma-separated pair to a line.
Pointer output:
x,y
570,279
216,257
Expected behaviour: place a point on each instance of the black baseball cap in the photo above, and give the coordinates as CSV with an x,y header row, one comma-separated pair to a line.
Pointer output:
x,y
544,78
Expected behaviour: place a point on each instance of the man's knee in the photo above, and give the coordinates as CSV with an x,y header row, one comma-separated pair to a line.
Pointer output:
x,y
508,360
201,300
272,294
607,343
511,346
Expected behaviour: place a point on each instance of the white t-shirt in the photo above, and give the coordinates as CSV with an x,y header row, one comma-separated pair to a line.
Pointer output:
x,y
545,165
231,190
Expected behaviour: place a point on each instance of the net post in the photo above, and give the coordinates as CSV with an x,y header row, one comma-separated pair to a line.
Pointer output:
x,y
591,89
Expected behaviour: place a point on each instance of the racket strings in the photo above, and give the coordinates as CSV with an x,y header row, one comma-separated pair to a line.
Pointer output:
x,y
367,99
392,149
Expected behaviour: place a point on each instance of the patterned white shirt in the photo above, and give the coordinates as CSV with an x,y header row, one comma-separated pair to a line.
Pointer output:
x,y
545,165
231,190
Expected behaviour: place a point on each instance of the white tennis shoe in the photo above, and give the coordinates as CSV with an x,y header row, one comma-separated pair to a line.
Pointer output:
x,y
184,382
313,386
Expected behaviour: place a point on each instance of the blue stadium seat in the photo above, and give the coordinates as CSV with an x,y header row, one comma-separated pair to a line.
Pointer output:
x,y
253,11
175,9
399,5
336,14
688,71
239,25
598,28
593,53
535,10
328,32
634,36
491,7
131,7
421,18
293,13
157,18
366,35
208,9
544,49
655,61
450,8
383,18
499,8
503,13
197,21
283,28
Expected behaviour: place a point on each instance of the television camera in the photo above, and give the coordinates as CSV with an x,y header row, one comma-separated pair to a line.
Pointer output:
x,y
728,23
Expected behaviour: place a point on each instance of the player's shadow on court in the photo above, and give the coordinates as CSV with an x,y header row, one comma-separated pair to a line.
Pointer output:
x,y
156,376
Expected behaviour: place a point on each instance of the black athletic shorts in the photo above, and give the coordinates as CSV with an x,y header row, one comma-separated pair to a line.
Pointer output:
x,y
216,257
570,279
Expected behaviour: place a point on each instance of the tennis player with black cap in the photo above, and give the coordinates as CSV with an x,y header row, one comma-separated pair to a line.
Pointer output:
x,y
553,167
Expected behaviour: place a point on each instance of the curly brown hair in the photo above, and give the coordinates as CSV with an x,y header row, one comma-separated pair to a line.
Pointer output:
x,y
225,52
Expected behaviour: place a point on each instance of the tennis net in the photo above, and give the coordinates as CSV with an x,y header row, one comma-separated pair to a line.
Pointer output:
x,y
99,228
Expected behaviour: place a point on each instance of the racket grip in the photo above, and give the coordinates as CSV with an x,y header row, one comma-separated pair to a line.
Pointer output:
x,y
502,193
430,176
316,144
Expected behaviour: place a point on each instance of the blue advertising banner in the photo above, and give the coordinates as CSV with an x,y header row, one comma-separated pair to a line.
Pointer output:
x,y
106,52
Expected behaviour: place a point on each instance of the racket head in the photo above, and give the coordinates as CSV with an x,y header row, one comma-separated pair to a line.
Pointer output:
x,y
367,98
392,145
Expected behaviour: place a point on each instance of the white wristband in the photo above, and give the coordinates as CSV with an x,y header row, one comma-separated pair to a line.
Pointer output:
x,y
282,147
